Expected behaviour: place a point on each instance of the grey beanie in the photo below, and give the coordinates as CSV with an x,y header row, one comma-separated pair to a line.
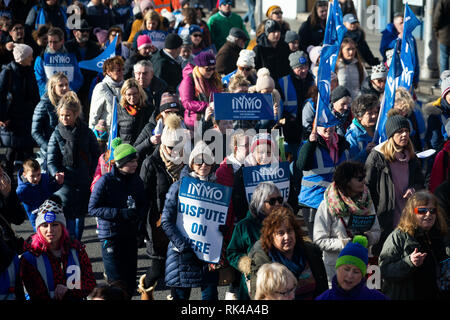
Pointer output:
x,y
291,36
338,93
395,123
297,59
48,212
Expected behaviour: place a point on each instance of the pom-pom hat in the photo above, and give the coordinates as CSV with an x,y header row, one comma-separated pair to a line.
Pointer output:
x,y
123,152
49,212
355,253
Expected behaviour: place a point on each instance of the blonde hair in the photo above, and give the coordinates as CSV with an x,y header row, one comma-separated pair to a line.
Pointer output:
x,y
238,81
408,222
51,85
151,15
272,277
132,83
389,149
403,100
69,101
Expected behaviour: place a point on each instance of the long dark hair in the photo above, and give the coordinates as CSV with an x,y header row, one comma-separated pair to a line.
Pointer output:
x,y
357,57
314,18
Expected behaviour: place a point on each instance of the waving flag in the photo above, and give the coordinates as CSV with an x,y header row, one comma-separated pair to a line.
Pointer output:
x,y
112,130
334,33
96,64
392,81
408,54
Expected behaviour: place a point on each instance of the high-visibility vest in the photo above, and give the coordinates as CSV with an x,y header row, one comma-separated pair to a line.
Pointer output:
x,y
8,280
290,95
315,181
158,5
42,264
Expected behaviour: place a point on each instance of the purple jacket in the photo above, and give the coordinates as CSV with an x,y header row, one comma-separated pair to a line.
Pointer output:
x,y
192,104
360,292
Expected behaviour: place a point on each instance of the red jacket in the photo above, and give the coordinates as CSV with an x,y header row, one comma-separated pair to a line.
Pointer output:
x,y
437,172
225,176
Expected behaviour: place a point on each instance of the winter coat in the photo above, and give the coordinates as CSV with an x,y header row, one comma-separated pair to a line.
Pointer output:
x,y
367,88
348,76
310,35
128,70
220,25
382,191
359,292
313,257
109,201
329,231
275,59
154,92
75,190
102,101
183,268
436,115
442,192
129,127
364,51
401,279
100,16
11,287
358,138
227,57
45,120
157,182
143,144
194,105
441,27
18,97
246,232
44,14
167,68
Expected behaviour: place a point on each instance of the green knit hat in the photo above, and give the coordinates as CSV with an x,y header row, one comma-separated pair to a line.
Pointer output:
x,y
123,152
355,253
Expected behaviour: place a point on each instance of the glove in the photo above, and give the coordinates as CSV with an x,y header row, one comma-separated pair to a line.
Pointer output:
x,y
128,213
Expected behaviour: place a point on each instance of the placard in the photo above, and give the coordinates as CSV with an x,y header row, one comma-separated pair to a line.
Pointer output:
x,y
243,106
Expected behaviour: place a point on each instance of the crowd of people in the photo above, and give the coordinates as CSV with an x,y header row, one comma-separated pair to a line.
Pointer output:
x,y
116,144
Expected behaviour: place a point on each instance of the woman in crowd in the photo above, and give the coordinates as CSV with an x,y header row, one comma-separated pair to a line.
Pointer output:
x,y
375,83
152,21
119,203
200,82
121,49
48,264
282,241
275,282
102,100
412,260
393,174
72,156
196,35
159,171
346,211
247,231
191,18
45,118
349,283
312,31
349,68
184,270
361,131
133,113
317,159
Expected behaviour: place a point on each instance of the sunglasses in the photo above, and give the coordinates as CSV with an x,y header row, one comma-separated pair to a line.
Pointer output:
x,y
245,68
272,201
277,12
196,35
210,69
422,211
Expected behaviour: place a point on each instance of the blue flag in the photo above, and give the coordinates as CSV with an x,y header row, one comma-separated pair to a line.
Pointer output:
x,y
113,130
392,80
408,54
96,64
335,30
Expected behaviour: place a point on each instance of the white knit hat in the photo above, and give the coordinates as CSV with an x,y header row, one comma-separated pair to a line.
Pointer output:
x,y
314,54
246,58
378,72
49,212
21,52
173,133
264,80
201,148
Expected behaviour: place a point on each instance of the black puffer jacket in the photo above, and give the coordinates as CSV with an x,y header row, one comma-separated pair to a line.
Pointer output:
x,y
129,127
44,122
275,59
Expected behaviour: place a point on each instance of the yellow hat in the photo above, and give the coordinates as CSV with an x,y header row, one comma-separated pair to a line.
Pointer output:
x,y
271,8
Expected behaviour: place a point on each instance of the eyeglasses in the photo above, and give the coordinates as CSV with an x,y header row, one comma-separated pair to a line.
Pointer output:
x,y
196,35
272,201
422,211
245,68
277,12
287,292
210,69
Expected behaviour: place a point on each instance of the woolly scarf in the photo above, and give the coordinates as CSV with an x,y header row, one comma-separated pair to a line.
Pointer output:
x,y
132,110
205,87
69,150
342,206
296,265
172,168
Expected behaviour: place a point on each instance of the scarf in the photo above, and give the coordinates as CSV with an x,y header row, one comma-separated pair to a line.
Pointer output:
x,y
296,265
342,206
205,87
70,135
132,110
332,145
172,168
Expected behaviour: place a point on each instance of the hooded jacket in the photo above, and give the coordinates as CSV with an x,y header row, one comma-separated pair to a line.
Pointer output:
x,y
276,59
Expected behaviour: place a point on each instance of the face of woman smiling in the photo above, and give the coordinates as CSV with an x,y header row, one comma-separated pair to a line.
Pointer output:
x,y
284,238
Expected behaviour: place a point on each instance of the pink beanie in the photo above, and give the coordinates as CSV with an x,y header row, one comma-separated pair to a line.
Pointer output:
x,y
145,4
264,80
143,40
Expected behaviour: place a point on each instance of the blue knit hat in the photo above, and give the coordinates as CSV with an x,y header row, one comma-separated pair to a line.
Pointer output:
x,y
355,253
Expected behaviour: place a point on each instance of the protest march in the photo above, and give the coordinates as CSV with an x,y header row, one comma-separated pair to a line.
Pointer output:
x,y
251,156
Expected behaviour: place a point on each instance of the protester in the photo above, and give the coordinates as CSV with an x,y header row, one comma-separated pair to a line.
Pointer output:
x,y
293,40
196,36
441,29
144,52
228,55
345,200
99,15
282,241
141,10
393,174
317,159
52,248
121,47
375,83
412,260
152,22
118,202
245,66
72,156
349,283
46,12
275,282
312,31
191,18
440,170
165,61
360,134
